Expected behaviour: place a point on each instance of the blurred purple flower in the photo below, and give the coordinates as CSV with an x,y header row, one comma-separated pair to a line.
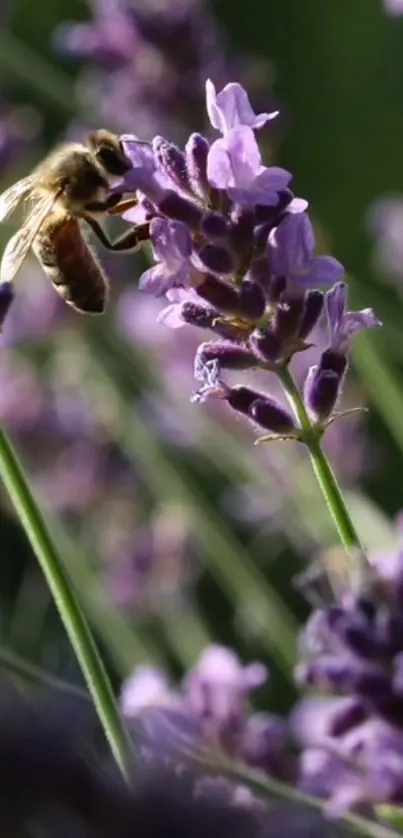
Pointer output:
x,y
19,130
393,7
353,745
210,709
216,691
385,223
149,62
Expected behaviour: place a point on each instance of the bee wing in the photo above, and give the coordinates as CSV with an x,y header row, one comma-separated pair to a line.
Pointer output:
x,y
12,197
19,245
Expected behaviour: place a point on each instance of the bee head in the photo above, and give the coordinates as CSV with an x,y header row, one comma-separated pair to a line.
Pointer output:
x,y
108,151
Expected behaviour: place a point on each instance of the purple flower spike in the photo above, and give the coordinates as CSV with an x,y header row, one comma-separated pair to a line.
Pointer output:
x,y
172,248
344,324
291,247
231,108
234,163
217,688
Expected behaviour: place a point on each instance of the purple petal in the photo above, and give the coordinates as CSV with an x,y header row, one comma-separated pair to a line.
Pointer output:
x,y
156,280
287,246
231,107
325,270
263,189
171,241
147,686
171,316
272,178
354,321
145,175
291,245
297,205
336,301
234,160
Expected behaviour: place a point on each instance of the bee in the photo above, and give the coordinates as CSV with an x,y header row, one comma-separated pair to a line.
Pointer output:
x,y
71,185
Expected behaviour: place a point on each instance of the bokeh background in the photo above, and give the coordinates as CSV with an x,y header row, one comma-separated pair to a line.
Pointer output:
x,y
176,531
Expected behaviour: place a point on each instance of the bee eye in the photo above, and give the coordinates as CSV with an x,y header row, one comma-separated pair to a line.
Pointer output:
x,y
112,160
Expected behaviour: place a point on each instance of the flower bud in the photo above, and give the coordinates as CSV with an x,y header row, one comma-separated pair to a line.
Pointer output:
x,y
229,356
287,318
262,409
272,215
197,149
321,392
219,294
252,300
180,209
313,307
272,416
216,259
333,361
214,225
241,230
173,161
198,315
266,345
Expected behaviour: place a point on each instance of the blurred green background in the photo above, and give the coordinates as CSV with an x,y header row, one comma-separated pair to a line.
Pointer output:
x,y
209,563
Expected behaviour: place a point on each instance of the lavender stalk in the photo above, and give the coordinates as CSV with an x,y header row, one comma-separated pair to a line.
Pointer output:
x,y
324,473
73,618
234,254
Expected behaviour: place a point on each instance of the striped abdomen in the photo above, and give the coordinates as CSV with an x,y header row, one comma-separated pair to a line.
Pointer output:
x,y
70,264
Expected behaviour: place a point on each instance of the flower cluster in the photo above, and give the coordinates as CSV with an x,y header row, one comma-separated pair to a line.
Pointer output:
x,y
149,61
210,710
352,734
234,253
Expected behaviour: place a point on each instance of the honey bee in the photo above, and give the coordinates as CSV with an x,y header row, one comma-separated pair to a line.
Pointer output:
x,y
72,184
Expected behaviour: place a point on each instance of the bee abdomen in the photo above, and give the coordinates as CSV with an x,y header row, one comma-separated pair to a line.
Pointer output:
x,y
71,266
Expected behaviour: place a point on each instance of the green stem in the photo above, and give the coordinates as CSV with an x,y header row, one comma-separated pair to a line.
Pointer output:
x,y
271,789
73,618
323,471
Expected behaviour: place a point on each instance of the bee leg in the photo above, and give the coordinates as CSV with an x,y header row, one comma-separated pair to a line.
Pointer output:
x,y
104,206
122,206
130,240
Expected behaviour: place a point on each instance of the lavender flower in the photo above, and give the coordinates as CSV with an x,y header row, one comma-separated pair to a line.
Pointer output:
x,y
353,744
324,381
231,108
291,247
236,255
210,709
